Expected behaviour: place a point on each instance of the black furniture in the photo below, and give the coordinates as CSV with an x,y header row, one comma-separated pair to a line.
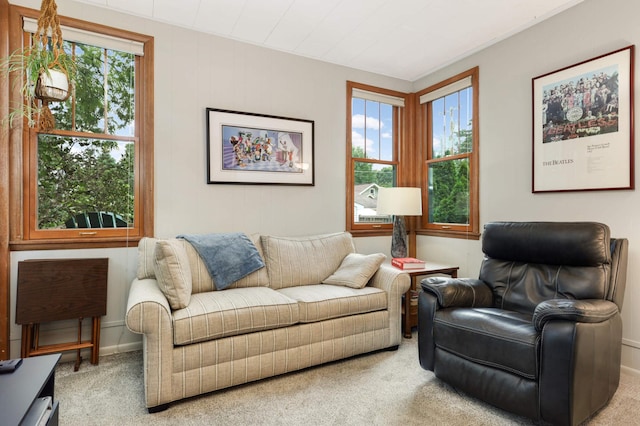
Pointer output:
x,y
539,333
20,391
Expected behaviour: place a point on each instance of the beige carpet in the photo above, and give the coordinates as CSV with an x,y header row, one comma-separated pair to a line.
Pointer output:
x,y
385,388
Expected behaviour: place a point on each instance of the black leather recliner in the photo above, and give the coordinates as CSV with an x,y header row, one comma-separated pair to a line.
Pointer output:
x,y
539,333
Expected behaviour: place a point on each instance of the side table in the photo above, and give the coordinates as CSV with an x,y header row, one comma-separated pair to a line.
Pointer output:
x,y
409,309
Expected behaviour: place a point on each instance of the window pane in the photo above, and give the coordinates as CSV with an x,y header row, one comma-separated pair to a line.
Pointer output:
x,y
103,98
120,93
466,121
369,177
372,130
451,118
386,135
84,183
357,128
438,119
448,185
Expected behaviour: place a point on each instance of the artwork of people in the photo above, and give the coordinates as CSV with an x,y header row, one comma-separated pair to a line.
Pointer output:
x,y
261,150
582,106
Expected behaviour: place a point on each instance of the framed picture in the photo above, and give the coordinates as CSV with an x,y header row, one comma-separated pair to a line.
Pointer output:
x,y
583,125
248,148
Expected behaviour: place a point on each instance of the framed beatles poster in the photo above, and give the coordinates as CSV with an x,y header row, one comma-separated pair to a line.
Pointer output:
x,y
248,148
583,125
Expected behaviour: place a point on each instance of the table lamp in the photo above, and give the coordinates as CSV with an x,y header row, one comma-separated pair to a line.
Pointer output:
x,y
399,202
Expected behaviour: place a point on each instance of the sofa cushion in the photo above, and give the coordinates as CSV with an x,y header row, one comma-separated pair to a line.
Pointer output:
x,y
321,302
146,258
201,280
215,314
356,270
173,273
304,260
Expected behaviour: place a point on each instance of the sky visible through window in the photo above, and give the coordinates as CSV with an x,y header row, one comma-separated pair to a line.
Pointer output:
x,y
372,129
451,114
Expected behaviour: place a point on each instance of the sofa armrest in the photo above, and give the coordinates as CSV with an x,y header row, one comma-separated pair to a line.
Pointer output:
x,y
396,283
586,310
390,279
458,292
145,306
148,313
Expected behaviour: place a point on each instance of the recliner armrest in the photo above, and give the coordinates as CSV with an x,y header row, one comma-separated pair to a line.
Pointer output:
x,y
458,292
586,310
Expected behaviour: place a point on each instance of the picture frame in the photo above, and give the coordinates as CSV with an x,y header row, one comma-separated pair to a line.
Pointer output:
x,y
258,149
583,125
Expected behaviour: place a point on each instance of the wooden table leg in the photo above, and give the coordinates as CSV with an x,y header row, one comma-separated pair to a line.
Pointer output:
x,y
78,355
95,339
406,319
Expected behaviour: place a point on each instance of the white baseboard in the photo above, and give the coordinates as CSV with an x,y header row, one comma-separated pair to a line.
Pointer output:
x,y
630,371
70,356
124,347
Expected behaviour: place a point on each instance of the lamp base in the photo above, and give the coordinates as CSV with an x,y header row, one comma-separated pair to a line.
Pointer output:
x,y
399,238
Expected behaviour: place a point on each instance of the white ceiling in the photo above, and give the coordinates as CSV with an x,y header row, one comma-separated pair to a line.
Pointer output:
x,y
406,39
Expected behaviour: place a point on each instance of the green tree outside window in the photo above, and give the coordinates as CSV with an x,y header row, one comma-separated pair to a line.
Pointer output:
x,y
81,171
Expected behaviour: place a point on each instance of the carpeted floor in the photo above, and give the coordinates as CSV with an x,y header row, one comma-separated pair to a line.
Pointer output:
x,y
385,388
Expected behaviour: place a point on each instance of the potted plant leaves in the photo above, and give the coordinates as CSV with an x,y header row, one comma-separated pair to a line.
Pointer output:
x,y
48,71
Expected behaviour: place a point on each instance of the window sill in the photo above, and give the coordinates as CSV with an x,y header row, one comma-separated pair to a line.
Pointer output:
x,y
463,235
370,232
76,243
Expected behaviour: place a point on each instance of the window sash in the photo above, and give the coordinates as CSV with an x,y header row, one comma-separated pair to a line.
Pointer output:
x,y
455,84
23,232
397,102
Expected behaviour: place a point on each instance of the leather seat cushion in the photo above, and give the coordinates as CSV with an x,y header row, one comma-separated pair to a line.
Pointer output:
x,y
501,339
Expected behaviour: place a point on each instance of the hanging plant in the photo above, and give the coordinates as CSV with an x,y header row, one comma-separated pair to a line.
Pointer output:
x,y
48,71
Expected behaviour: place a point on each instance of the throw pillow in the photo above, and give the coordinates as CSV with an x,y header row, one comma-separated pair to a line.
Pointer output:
x,y
173,273
356,270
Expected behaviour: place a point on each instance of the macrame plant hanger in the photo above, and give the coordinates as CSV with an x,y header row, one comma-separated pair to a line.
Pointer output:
x,y
48,25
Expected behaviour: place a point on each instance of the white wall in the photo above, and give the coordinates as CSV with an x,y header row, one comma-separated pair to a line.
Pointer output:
x,y
590,29
194,71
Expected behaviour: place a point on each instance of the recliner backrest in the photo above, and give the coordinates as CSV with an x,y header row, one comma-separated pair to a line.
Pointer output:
x,y
528,262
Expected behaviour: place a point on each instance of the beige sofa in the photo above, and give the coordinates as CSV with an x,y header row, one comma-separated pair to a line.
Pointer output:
x,y
303,308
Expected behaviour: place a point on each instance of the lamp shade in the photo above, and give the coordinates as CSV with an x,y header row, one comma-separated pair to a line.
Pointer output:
x,y
400,201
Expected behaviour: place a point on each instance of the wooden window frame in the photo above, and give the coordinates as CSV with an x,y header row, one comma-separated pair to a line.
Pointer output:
x,y
424,134
5,299
400,137
23,156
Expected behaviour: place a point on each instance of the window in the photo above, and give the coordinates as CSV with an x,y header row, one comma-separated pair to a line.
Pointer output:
x,y
90,178
449,117
374,127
